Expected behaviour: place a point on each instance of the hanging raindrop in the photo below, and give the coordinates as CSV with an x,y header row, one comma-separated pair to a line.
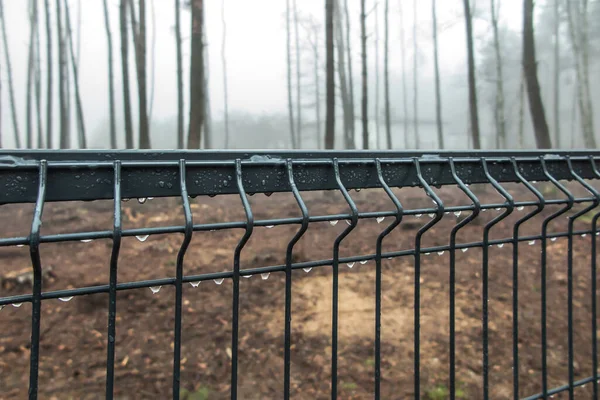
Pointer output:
x,y
141,200
65,299
17,305
532,242
265,276
464,250
350,264
195,284
520,208
269,226
155,289
500,245
218,281
307,270
363,262
142,238
380,219
440,253
334,222
457,213
86,240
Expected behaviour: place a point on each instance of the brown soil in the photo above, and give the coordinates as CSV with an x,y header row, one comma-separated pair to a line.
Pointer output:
x,y
73,344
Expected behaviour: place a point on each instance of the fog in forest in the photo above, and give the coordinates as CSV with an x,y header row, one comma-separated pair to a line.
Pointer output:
x,y
256,54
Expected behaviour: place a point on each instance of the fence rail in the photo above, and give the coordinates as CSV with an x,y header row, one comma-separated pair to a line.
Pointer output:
x,y
46,176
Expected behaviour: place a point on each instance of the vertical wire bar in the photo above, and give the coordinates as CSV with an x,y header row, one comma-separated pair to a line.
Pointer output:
x,y
510,204
593,294
112,285
439,214
452,278
382,235
515,289
36,263
572,219
288,279
189,231
567,207
236,277
335,266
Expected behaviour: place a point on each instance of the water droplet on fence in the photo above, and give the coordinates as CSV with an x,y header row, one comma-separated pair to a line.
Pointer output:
x,y
500,245
218,281
497,209
20,245
348,222
520,208
65,299
363,262
142,238
17,305
334,222
357,189
418,215
350,264
457,213
2,307
533,181
86,240
583,234
431,216
269,226
553,239
389,258
141,200
380,219
531,243
464,250
440,253
155,289
195,284
152,198
427,254
447,212
265,276
125,200
247,276
307,270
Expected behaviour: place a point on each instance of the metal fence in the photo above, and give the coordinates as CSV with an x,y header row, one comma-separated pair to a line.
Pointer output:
x,y
47,176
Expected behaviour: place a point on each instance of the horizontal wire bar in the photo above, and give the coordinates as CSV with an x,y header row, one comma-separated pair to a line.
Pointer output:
x,y
561,389
71,237
276,268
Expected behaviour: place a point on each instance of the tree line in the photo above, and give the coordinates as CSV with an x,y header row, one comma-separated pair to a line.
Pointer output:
x,y
567,21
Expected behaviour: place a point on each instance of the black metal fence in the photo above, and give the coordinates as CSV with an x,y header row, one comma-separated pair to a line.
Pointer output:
x,y
47,176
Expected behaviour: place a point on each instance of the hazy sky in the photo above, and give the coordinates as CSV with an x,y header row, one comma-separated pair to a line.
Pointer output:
x,y
256,51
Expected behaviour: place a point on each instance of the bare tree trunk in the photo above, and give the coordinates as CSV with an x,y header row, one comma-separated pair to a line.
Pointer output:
x,y
30,61
152,63
78,31
473,109
404,91
341,69
436,67
351,116
289,76
224,63
522,111
207,116
38,84
49,75
62,95
11,92
330,84
376,110
386,74
80,119
499,112
139,39
557,74
197,94
536,107
125,72
415,78
574,116
298,83
180,136
317,90
578,33
111,86
365,109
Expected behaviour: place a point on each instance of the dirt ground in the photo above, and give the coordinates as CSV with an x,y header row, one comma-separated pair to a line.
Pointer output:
x,y
74,333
